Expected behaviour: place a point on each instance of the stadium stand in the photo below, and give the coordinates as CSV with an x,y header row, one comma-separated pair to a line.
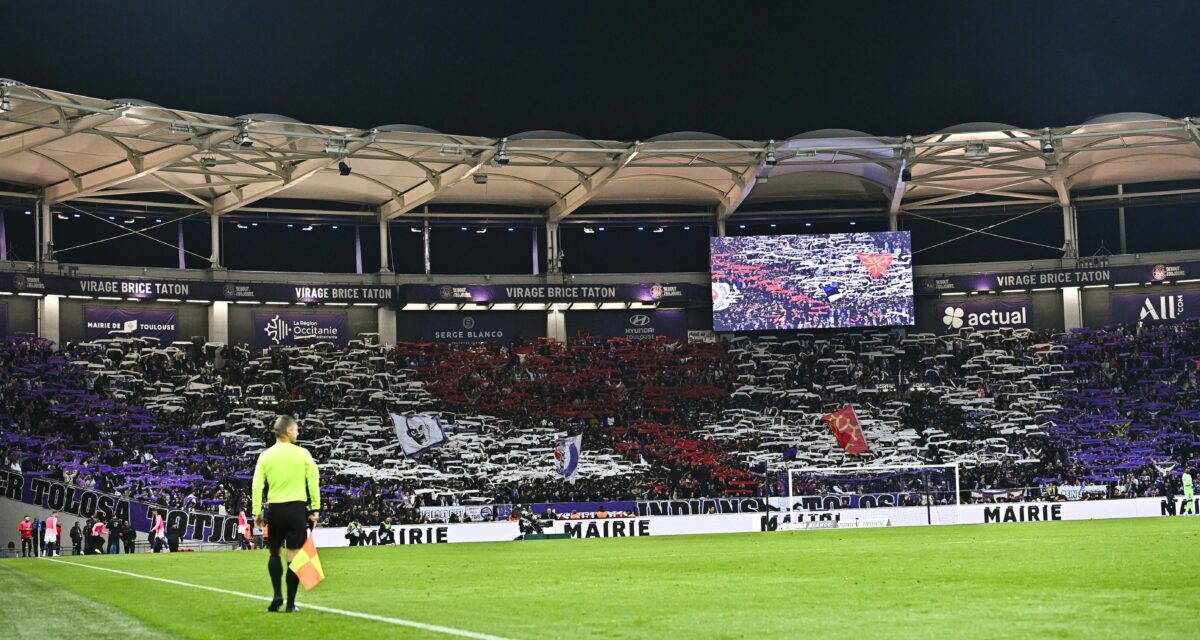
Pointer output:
x,y
1021,411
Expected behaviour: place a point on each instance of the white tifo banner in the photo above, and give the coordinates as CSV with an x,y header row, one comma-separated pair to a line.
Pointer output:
x,y
754,522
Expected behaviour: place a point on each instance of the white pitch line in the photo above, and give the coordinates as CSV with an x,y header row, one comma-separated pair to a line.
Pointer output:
x,y
462,633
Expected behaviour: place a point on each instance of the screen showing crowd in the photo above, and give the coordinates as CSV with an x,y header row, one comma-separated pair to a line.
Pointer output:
x,y
820,281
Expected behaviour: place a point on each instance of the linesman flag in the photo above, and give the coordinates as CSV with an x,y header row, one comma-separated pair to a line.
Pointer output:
x,y
307,565
845,428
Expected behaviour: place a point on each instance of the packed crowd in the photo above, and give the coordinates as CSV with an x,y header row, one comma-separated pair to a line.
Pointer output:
x,y
1022,413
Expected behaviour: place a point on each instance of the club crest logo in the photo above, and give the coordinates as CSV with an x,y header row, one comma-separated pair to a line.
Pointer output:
x,y
19,282
1159,272
468,322
446,291
656,292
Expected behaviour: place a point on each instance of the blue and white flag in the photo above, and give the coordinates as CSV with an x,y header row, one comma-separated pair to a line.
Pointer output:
x,y
418,433
566,456
833,291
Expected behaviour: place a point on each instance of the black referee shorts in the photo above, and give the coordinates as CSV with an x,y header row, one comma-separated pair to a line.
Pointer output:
x,y
287,522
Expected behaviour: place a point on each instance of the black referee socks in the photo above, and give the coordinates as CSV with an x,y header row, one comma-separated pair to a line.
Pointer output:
x,y
275,568
293,581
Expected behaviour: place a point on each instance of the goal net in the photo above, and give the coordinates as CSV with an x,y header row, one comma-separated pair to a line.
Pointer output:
x,y
835,495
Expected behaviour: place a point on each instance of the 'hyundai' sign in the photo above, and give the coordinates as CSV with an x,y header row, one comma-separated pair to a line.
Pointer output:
x,y
659,323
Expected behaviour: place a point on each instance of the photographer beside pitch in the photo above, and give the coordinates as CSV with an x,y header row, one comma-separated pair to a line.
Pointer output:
x,y
290,478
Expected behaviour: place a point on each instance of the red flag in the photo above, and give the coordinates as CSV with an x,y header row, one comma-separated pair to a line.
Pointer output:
x,y
876,263
845,428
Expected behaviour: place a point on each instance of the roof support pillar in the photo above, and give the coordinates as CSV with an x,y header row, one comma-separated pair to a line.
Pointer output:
x,y
1121,216
426,245
893,221
1070,232
384,241
46,222
214,229
720,227
554,254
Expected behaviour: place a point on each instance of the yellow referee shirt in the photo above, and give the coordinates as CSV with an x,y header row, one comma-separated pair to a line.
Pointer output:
x,y
290,475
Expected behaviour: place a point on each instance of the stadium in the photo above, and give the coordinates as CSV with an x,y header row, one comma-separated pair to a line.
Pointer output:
x,y
827,383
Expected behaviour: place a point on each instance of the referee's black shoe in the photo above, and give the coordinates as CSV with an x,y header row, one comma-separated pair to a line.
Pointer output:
x,y
275,604
291,609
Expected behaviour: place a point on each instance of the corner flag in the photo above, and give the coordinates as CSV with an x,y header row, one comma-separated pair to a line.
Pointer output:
x,y
307,565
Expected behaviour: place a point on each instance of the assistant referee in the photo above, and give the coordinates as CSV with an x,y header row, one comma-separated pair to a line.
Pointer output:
x,y
289,475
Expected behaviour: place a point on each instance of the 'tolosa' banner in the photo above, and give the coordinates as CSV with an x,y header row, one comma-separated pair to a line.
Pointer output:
x,y
105,322
292,327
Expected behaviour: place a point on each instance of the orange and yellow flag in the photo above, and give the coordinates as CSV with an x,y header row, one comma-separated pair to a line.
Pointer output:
x,y
307,565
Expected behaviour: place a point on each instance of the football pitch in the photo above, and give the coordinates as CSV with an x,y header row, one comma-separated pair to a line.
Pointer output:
x,y
1136,578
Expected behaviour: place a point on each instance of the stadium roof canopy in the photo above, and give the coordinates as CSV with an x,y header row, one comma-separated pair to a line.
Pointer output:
x,y
60,147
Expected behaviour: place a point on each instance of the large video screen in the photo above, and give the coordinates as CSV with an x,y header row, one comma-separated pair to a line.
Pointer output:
x,y
820,281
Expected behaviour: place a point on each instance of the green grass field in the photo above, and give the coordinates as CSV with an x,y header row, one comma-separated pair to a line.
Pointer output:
x,y
1134,578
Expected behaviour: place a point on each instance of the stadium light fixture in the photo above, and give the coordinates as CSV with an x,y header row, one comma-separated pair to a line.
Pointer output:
x,y
254,224
770,159
335,147
242,139
511,229
659,230
62,216
208,161
504,306
156,220
5,103
641,228
481,230
687,228
976,150
906,174
415,229
589,230
741,226
343,168
599,228
464,228
481,178
334,226
808,224
77,215
502,152
1047,142
242,226
773,225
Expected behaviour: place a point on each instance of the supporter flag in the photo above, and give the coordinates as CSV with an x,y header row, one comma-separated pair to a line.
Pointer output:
x,y
833,291
722,296
307,565
845,428
876,263
566,456
418,433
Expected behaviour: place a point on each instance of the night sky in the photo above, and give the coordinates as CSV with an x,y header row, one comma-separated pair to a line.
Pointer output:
x,y
614,70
